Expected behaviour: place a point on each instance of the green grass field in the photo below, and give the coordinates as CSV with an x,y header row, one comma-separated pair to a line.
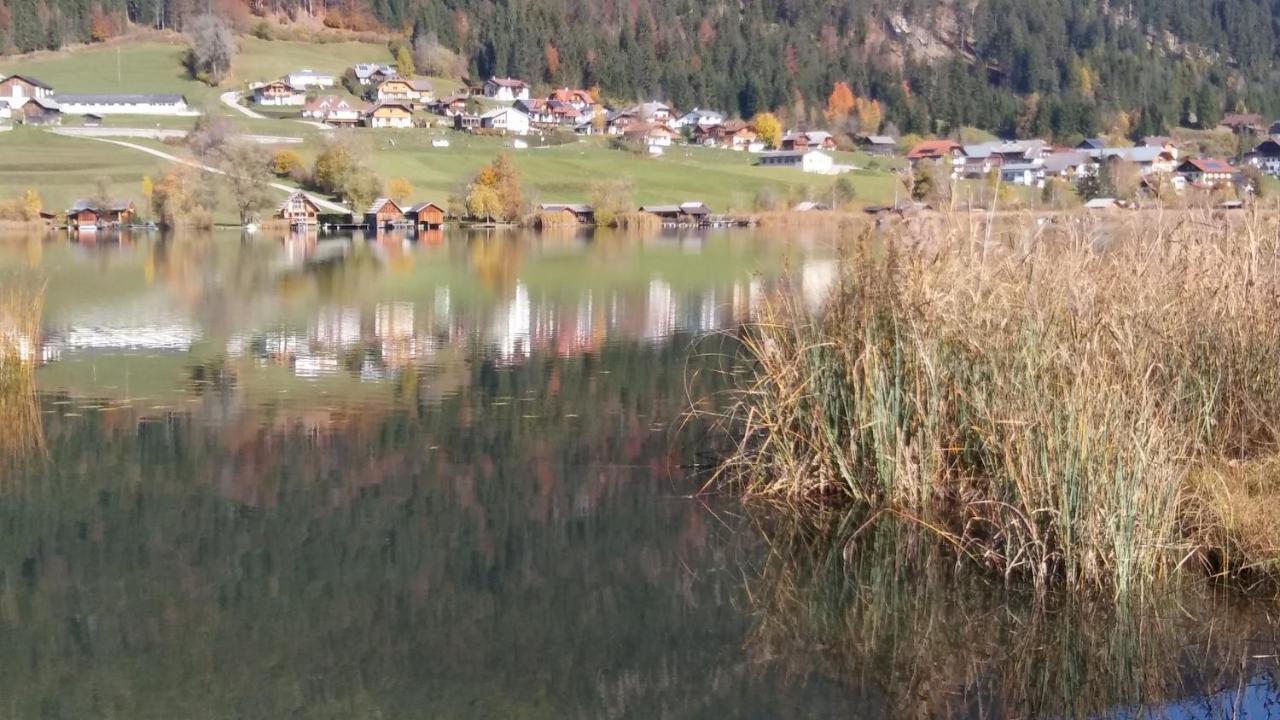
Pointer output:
x,y
62,169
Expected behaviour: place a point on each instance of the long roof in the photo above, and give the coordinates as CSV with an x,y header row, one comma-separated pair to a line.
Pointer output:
x,y
27,79
121,99
378,204
115,205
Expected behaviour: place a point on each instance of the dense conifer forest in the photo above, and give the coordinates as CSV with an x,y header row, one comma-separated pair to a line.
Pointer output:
x,y
1024,67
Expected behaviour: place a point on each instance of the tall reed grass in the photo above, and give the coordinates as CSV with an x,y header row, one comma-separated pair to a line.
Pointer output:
x,y
1045,398
21,306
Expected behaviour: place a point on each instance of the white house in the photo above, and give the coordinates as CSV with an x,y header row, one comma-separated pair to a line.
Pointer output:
x,y
278,93
368,73
15,90
697,118
1029,174
332,110
813,161
508,120
138,104
507,89
306,79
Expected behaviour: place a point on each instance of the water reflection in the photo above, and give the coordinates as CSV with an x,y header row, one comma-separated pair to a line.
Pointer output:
x,y
384,477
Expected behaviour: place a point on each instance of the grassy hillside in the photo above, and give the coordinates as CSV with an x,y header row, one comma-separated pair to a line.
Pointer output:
x,y
62,169
156,67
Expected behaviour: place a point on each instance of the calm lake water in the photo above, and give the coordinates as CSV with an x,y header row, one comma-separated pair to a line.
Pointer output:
x,y
448,477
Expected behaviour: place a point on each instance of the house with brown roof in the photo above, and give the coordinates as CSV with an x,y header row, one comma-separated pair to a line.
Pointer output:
x,y
389,115
735,135
1242,123
405,90
651,134
579,100
384,212
93,214
299,209
935,151
505,88
278,93
425,215
808,140
1205,171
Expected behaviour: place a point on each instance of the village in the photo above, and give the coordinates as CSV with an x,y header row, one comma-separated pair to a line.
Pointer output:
x,y
1104,174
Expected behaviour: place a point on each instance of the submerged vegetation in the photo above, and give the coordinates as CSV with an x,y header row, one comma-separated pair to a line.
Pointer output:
x,y
1077,405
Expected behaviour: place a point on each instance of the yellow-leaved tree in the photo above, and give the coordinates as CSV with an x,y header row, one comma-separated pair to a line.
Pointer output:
x,y
767,128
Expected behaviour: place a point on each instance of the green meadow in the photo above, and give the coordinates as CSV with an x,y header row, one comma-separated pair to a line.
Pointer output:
x,y
62,169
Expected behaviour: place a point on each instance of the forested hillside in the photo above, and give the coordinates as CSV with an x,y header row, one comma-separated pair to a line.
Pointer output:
x,y
1043,67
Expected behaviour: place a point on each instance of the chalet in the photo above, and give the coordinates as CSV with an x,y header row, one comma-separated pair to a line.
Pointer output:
x,y
735,134
278,93
582,214
537,109
332,110
579,100
16,90
1266,157
617,122
936,151
92,214
880,145
389,115
1070,166
697,118
425,215
1205,171
450,106
652,112
41,111
506,120
808,140
1240,123
399,89
651,134
125,104
307,79
1027,174
299,209
811,161
372,73
384,212
507,89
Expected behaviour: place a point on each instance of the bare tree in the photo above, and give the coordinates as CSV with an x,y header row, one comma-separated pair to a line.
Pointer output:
x,y
247,178
212,46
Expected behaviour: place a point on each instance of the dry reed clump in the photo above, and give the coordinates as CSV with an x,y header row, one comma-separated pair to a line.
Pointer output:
x,y
636,220
21,305
1037,396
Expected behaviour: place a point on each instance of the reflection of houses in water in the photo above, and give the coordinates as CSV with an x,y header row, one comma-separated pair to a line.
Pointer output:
x,y
817,277
660,313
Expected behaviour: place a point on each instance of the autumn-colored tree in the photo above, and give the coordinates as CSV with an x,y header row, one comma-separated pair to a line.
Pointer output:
x,y
404,62
399,190
767,128
102,26
176,198
839,103
869,114
285,163
553,59
31,205
148,189
495,192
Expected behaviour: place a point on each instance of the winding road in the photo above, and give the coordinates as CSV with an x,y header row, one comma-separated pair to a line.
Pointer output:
x,y
231,99
319,201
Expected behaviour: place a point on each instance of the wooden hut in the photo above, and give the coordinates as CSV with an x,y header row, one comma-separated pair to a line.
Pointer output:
x,y
384,212
92,213
425,215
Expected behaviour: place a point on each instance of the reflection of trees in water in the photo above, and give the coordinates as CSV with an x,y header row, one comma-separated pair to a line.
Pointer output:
x,y
485,555
880,610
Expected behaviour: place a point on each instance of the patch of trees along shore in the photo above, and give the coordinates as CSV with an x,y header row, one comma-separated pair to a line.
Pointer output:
x,y
1027,67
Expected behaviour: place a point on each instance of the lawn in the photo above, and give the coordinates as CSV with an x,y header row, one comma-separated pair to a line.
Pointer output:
x,y
62,169
723,179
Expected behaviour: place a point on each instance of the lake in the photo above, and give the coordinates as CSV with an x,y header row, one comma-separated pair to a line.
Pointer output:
x,y
453,476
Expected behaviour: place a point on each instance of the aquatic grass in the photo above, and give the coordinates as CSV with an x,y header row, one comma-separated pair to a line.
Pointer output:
x,y
21,306
1036,395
